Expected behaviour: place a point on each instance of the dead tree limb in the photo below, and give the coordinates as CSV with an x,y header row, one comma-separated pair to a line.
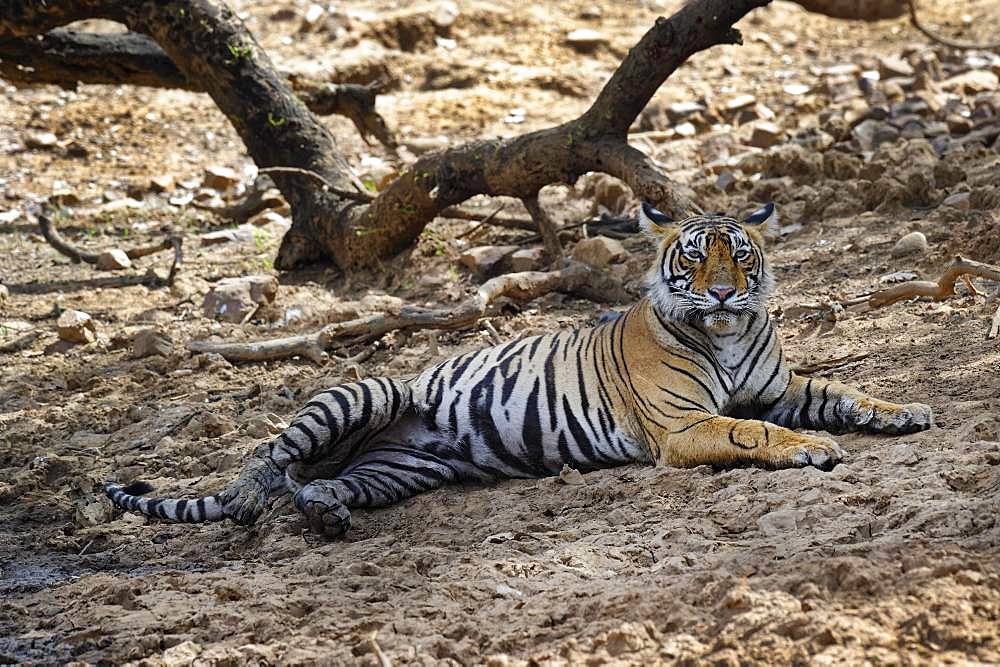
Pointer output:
x,y
209,44
938,291
68,58
575,278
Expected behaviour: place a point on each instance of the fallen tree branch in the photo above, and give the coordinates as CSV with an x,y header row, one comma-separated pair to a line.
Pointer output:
x,y
575,278
68,58
828,364
938,291
51,234
209,44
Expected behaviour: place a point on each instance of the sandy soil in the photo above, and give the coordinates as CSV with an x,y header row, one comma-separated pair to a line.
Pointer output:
x,y
890,559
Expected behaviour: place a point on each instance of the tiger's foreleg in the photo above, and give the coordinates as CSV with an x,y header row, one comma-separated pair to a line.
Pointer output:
x,y
837,408
703,438
337,422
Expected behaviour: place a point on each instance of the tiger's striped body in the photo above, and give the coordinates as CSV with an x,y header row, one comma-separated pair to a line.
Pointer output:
x,y
669,382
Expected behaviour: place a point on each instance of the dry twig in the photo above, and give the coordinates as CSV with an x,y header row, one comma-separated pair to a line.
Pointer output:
x,y
938,291
575,278
827,364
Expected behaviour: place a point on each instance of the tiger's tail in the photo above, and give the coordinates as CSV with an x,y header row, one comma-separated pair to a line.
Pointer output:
x,y
179,510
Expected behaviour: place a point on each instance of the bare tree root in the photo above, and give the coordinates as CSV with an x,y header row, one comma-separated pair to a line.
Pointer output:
x,y
68,58
56,240
938,291
208,43
575,278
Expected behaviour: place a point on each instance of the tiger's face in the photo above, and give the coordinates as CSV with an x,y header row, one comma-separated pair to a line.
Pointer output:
x,y
710,269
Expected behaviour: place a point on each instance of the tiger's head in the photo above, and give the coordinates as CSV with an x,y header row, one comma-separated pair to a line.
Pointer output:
x,y
710,270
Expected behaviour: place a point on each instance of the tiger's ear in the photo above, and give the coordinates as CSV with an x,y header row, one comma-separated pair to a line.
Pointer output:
x,y
652,221
766,217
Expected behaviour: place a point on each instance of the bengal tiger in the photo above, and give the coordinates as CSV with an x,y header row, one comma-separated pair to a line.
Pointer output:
x,y
692,374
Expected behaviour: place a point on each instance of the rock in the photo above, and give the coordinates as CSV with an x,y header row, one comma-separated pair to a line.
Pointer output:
x,y
185,653
914,242
903,454
76,326
219,178
264,426
162,183
149,342
210,425
585,39
236,299
486,260
779,522
113,260
739,102
890,67
685,129
527,259
796,89
92,514
871,134
64,197
959,200
445,14
726,181
41,140
971,82
766,134
680,111
599,251
4,293
571,476
241,234
958,124
313,14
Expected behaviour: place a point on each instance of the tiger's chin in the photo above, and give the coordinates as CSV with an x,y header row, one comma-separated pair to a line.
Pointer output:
x,y
723,321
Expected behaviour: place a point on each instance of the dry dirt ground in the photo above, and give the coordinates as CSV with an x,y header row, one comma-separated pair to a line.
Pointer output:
x,y
892,558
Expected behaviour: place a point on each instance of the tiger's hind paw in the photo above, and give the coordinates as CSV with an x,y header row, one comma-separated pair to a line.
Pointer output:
x,y
324,513
244,501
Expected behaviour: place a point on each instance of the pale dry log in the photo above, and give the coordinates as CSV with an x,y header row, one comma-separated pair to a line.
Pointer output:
x,y
575,278
938,291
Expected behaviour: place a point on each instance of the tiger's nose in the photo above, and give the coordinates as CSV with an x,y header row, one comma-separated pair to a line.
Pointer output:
x,y
721,292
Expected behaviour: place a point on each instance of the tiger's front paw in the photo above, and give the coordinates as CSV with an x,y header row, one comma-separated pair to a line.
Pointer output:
x,y
804,450
893,419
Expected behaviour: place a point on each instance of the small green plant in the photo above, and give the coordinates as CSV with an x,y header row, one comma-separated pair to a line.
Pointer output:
x,y
238,52
369,185
260,239
275,121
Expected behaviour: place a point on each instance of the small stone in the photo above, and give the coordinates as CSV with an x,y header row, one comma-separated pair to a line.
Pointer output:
x,y
739,102
890,67
796,89
219,178
871,133
959,200
113,260
64,197
486,260
585,39
313,14
766,134
914,242
4,293
599,251
185,653
971,82
903,454
236,299
505,591
92,514
685,129
779,522
571,476
445,14
162,183
76,326
527,259
76,149
241,234
149,342
958,124
726,181
680,111
264,426
41,140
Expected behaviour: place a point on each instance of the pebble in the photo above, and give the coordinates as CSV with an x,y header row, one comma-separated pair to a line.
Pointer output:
x,y
527,259
76,326
766,134
685,129
585,39
486,260
890,67
679,111
41,140
599,251
149,342
235,299
973,81
959,200
241,234
779,522
571,476
219,178
162,183
739,102
113,260
914,242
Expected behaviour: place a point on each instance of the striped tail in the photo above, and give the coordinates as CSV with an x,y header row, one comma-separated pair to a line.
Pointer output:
x,y
178,510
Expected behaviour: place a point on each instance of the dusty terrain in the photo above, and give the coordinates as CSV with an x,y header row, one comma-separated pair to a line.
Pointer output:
x,y
893,558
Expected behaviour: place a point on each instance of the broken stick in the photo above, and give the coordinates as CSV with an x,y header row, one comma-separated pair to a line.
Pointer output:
x,y
575,278
938,291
